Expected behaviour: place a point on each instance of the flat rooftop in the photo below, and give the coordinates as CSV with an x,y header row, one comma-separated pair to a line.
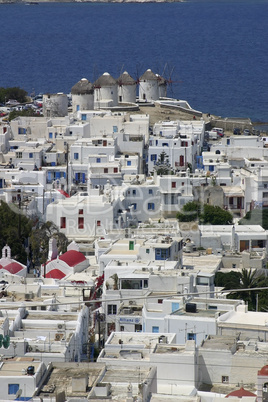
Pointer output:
x,y
61,375
17,368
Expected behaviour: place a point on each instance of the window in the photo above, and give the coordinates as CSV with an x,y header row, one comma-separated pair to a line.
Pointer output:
x,y
115,170
84,116
63,222
112,309
30,155
225,379
13,389
147,251
155,329
76,155
162,253
153,157
145,283
175,306
228,141
151,206
128,163
98,223
104,143
98,160
77,108
50,135
150,191
138,327
80,212
19,155
181,160
115,129
122,328
134,192
105,170
160,301
80,223
211,168
191,336
173,184
134,206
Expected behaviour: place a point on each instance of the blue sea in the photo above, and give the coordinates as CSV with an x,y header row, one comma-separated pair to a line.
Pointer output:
x,y
214,53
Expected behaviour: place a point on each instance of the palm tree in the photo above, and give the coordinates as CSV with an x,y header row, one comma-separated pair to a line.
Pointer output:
x,y
249,279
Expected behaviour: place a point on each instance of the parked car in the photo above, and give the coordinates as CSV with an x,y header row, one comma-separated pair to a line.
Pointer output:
x,y
237,131
246,131
219,131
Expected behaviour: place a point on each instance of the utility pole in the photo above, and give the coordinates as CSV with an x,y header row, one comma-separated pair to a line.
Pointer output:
x,y
67,168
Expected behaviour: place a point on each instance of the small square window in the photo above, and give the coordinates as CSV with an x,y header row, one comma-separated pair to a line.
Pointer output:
x,y
98,160
225,379
80,212
105,170
98,223
173,184
76,155
128,163
116,170
150,191
30,155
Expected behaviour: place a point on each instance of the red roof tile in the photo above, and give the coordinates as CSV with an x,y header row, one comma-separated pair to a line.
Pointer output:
x,y
240,393
72,257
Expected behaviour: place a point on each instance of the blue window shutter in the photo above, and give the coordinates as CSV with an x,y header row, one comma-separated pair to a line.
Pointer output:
x,y
76,176
57,175
155,329
13,389
77,108
175,306
83,177
49,176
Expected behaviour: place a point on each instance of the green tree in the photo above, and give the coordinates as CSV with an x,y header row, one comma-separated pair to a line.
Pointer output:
x,y
40,237
249,279
13,93
190,212
216,215
162,166
15,228
207,214
28,112
256,217
228,280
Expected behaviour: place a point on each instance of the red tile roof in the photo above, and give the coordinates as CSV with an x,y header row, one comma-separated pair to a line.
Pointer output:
x,y
13,267
72,257
55,274
263,371
240,393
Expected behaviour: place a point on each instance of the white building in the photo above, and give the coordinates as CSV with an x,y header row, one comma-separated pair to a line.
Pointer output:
x,y
82,96
55,105
105,92
127,88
